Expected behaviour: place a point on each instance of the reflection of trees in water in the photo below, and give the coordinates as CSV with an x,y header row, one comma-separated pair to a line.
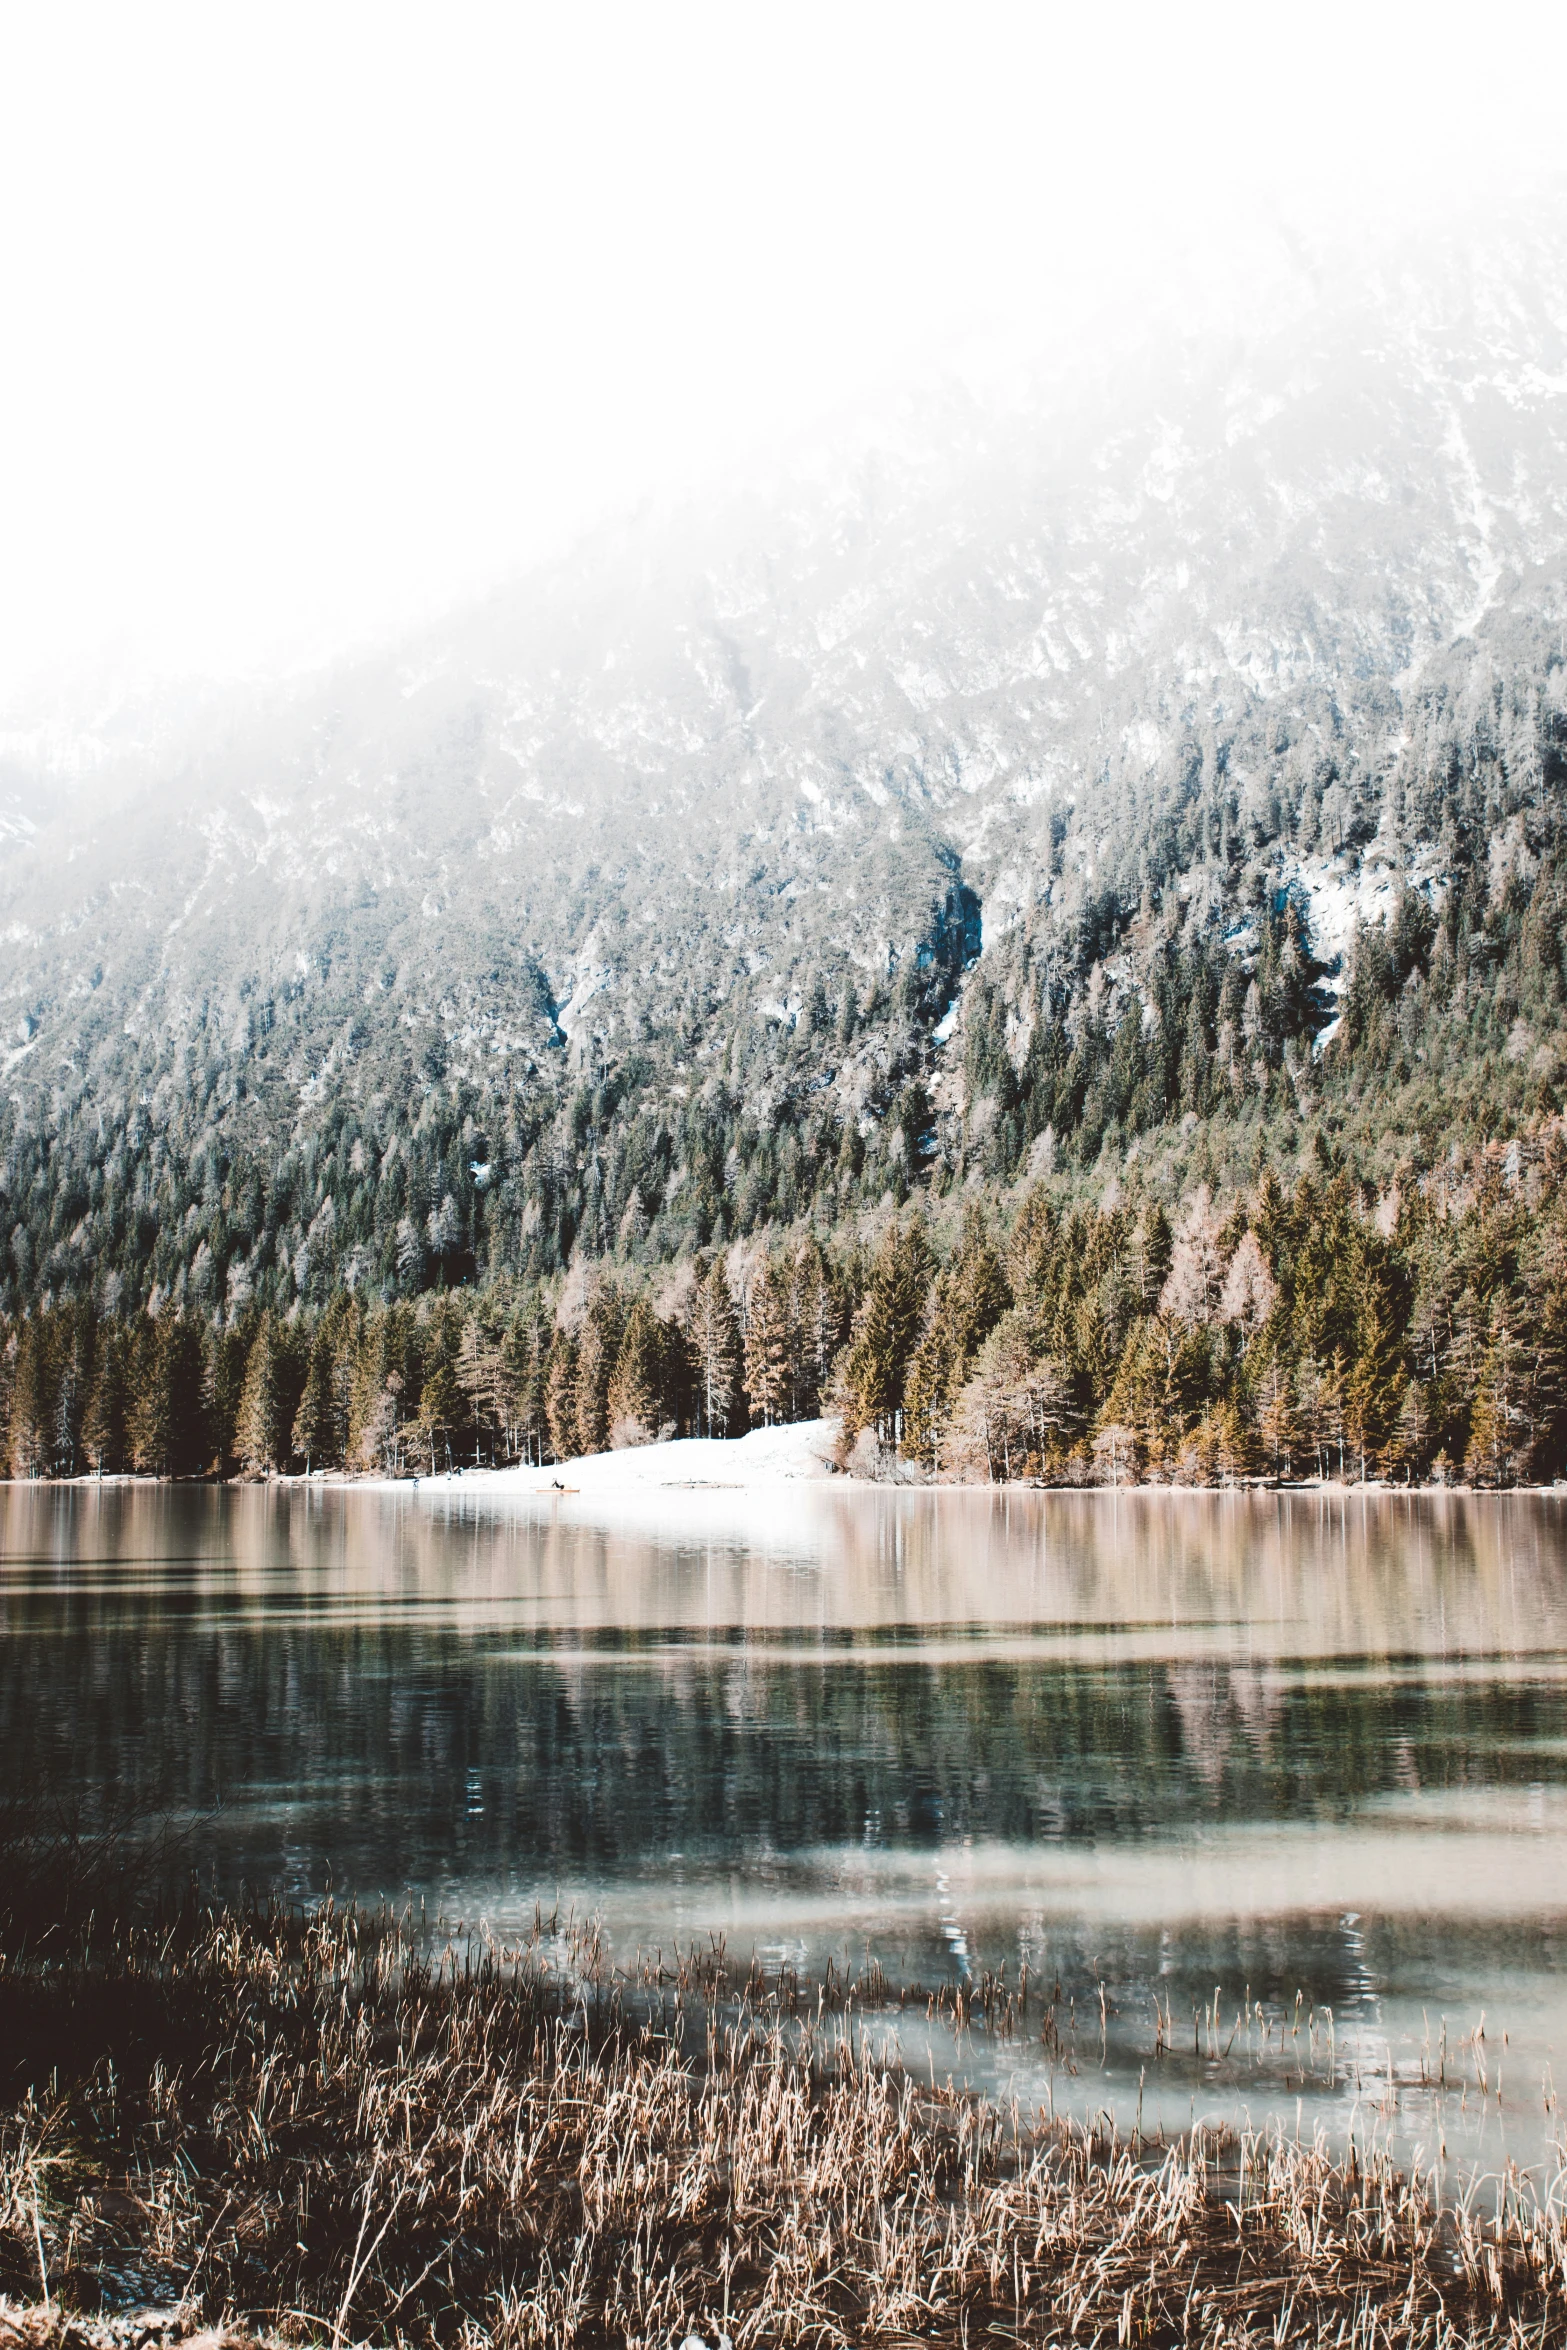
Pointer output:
x,y
362,1748
1291,1573
1214,1703
342,1671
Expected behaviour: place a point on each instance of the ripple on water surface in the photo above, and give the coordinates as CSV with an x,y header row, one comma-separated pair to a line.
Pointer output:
x,y
1268,1795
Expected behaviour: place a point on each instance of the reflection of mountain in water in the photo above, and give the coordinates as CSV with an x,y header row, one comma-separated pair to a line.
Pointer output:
x,y
391,1692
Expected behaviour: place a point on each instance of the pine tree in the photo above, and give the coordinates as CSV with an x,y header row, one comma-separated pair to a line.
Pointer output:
x,y
1407,1451
714,1338
1332,1393
1016,1415
1503,1426
73,1352
968,1299
1276,1427
886,1330
1465,1350
597,1349
168,1412
561,1397
1150,1256
441,1411
1145,1395
483,1376
528,1343
316,1432
814,1329
32,1402
378,1396
1374,1391
1232,1441
634,1399
1319,1410
937,1373
1546,1308
106,1425
767,1344
227,1358
262,1431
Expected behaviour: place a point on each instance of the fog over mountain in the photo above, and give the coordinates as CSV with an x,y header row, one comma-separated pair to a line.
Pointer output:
x,y
820,841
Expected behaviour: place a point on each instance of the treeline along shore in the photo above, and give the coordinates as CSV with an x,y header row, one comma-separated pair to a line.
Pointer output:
x,y
1414,1334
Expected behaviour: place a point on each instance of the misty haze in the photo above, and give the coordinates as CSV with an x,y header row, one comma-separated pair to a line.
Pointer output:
x,y
783,1258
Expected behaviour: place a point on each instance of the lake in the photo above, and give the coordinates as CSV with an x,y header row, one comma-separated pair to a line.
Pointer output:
x,y
1287,1773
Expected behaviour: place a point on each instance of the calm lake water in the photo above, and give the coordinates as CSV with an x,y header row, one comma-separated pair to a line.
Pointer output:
x,y
1290,1772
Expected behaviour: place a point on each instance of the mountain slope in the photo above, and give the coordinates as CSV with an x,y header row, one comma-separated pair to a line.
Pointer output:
x,y
988,796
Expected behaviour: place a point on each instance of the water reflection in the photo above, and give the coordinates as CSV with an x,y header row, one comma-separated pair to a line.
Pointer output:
x,y
1312,1750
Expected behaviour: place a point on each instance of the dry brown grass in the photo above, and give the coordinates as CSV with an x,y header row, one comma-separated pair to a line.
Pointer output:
x,y
307,2127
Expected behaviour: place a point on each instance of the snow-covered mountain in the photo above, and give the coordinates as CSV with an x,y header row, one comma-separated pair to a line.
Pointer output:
x,y
982,707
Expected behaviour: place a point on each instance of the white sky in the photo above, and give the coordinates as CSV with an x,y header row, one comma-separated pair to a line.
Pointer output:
x,y
316,316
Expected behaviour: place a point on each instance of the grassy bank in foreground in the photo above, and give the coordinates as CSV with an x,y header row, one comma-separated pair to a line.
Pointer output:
x,y
303,2126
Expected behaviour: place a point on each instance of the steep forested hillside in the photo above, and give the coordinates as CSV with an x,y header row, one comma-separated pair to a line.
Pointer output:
x,y
1117,793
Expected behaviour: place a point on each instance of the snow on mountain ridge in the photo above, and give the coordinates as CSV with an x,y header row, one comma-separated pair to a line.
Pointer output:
x,y
830,699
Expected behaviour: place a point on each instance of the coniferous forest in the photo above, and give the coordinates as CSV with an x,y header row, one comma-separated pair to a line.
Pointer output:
x,y
1210,1209
1058,1063
1304,1333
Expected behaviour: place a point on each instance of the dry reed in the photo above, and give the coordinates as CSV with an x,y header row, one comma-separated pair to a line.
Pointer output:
x,y
308,2127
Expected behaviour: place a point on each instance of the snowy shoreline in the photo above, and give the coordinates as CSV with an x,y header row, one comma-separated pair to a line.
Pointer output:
x,y
790,1454
795,1451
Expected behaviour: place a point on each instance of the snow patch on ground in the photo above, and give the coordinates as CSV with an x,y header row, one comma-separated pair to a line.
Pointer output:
x,y
767,1457
1340,892
1344,890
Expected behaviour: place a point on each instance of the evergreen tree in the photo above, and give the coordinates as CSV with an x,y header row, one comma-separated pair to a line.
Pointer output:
x,y
1407,1453
263,1429
1016,1416
168,1412
32,1402
73,1352
1150,1256
440,1416
1232,1440
227,1358
317,1434
1276,1422
1503,1424
561,1397
886,1327
1374,1391
527,1356
815,1328
597,1351
634,1404
483,1375
714,1339
769,1350
968,1299
106,1424
379,1401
